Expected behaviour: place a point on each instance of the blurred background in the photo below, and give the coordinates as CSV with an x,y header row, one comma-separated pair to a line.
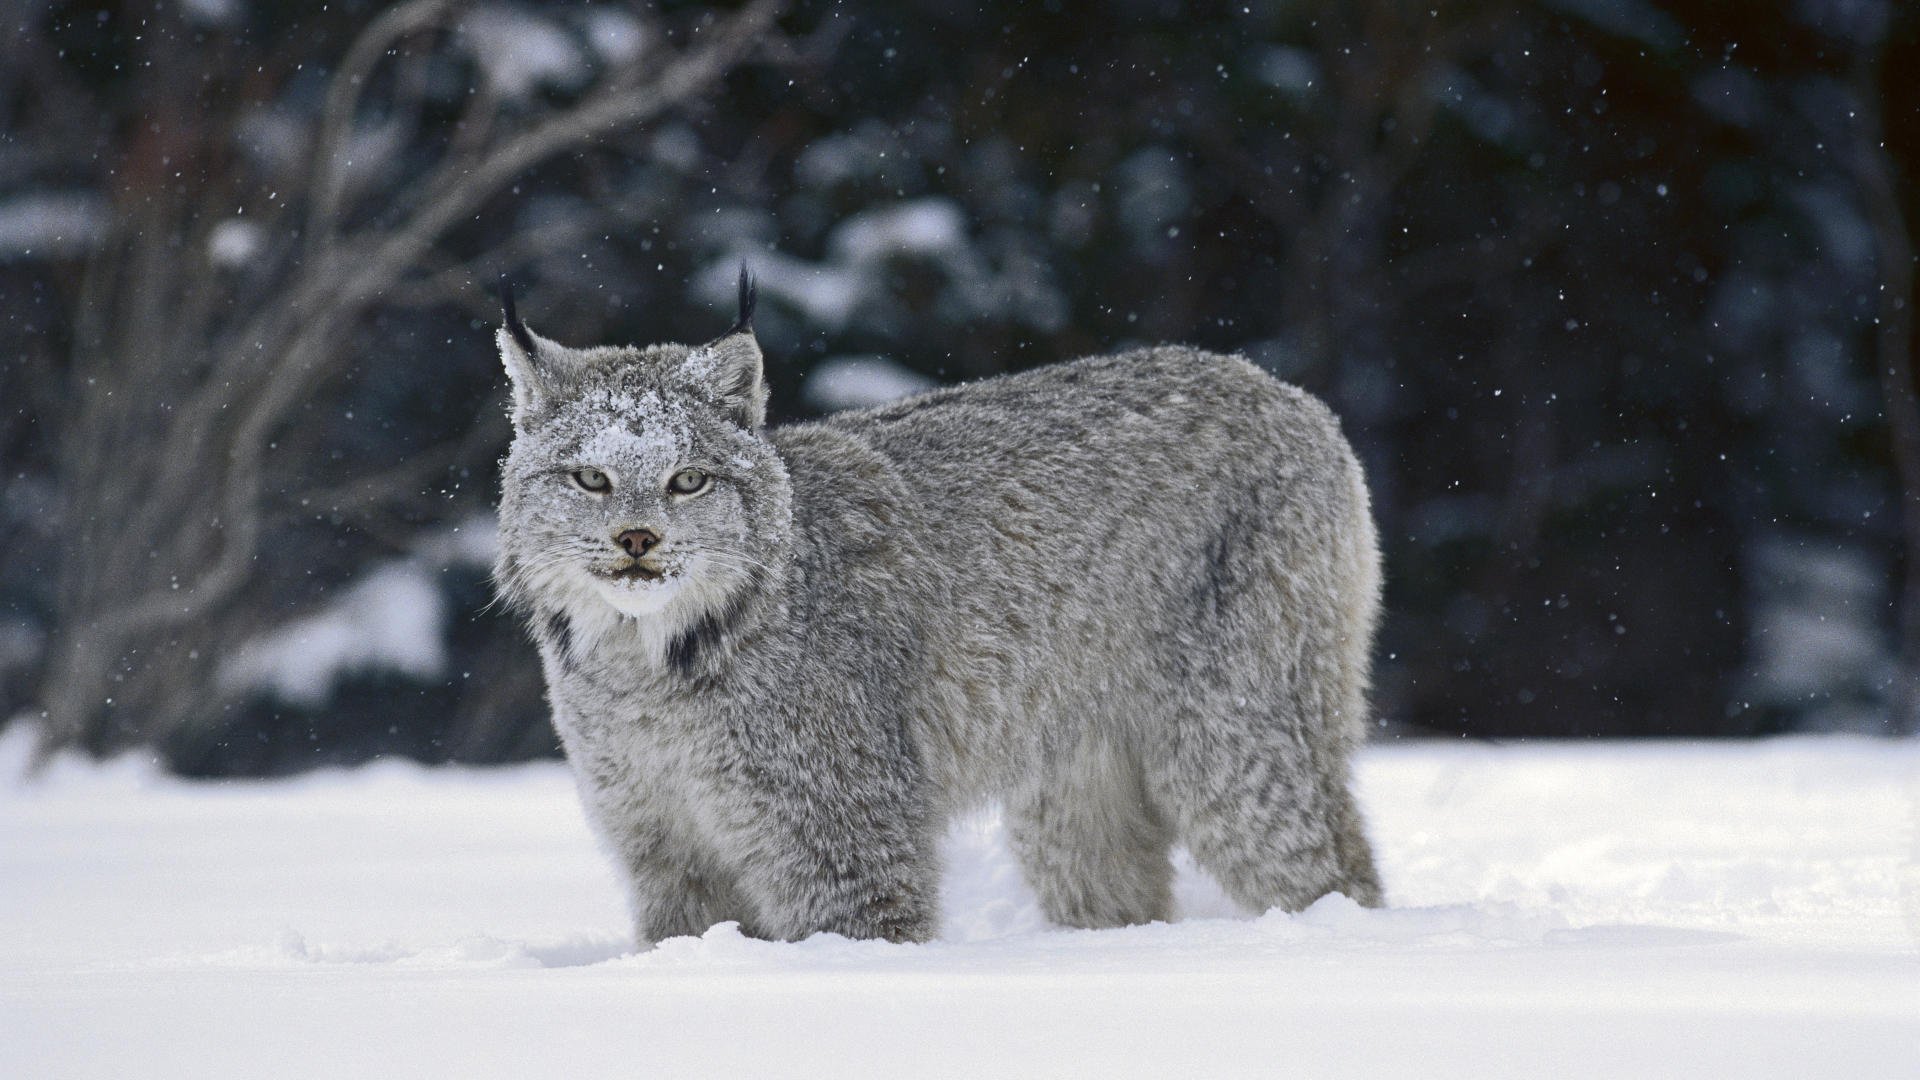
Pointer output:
x,y
1614,297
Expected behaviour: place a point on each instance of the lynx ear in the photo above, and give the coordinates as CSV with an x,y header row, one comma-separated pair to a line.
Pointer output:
x,y
730,370
528,357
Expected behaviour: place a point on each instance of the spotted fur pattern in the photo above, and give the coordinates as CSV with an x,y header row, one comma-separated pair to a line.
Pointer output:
x,y
1130,597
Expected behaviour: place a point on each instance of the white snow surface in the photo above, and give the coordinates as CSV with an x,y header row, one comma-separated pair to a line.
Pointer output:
x,y
1593,910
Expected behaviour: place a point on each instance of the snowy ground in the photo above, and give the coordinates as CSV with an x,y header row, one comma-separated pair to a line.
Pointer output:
x,y
1560,911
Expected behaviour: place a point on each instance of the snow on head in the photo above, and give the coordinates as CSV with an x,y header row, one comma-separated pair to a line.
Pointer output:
x,y
647,430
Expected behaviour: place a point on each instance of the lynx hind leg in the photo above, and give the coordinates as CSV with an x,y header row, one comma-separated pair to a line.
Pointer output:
x,y
667,905
1261,817
1359,879
1258,772
672,901
1093,848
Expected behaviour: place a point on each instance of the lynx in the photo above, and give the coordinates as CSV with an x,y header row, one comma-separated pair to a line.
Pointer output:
x,y
1131,598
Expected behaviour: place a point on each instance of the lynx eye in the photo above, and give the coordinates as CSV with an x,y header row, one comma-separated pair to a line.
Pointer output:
x,y
688,482
592,481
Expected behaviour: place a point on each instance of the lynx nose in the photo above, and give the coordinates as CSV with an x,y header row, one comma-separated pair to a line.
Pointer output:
x,y
637,542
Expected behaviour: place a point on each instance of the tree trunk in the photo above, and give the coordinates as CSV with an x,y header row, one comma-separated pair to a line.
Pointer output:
x,y
1876,174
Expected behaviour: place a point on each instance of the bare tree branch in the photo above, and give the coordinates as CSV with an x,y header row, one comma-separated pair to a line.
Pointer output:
x,y
404,480
343,101
334,291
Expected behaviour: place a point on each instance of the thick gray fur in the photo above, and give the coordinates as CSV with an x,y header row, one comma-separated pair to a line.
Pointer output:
x,y
1132,597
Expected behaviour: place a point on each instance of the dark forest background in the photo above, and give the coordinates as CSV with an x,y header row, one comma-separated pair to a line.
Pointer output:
x,y
1613,295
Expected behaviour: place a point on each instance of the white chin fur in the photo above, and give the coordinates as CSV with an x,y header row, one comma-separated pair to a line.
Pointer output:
x,y
639,598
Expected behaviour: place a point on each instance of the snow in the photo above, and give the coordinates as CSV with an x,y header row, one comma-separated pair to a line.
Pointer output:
x,y
856,382
50,223
213,12
1153,192
234,243
984,278
659,423
855,273
392,619
519,52
1815,639
1864,21
1635,20
616,36
1286,67
928,228
1561,910
1490,117
842,157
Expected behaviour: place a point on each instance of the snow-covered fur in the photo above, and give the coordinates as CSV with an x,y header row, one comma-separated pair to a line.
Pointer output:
x,y
1132,596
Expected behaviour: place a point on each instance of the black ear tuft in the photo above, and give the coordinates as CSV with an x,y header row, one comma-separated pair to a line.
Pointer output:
x,y
749,295
515,327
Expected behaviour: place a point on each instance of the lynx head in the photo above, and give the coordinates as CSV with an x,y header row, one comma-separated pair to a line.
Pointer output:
x,y
638,482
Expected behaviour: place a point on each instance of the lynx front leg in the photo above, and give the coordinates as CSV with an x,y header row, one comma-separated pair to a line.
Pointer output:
x,y
856,869
864,898
671,889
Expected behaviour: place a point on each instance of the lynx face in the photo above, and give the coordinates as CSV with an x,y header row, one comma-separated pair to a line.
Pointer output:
x,y
637,482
